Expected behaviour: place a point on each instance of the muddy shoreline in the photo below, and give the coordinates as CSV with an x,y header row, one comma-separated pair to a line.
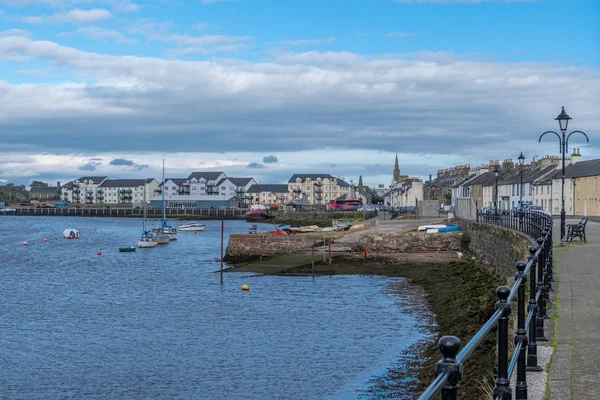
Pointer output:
x,y
461,297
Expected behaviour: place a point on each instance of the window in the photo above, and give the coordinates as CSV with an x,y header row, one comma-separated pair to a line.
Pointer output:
x,y
530,190
223,187
308,188
174,188
231,187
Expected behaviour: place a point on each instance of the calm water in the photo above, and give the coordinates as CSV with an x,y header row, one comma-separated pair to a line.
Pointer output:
x,y
157,324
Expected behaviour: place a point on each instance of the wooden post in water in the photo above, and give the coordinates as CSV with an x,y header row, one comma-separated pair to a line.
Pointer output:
x,y
222,235
313,260
324,250
330,252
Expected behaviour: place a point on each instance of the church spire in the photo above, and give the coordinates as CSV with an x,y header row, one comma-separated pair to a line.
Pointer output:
x,y
396,170
360,183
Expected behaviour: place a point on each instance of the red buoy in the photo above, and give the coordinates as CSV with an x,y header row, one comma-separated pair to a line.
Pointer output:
x,y
98,253
25,243
45,239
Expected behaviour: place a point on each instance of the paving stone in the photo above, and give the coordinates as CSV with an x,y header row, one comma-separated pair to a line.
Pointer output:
x,y
575,368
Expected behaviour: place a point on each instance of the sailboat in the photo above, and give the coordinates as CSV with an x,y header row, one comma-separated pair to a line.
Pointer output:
x,y
148,239
165,229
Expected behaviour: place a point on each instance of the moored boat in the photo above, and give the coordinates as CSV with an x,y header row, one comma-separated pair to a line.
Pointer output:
x,y
191,227
6,211
148,239
71,233
165,229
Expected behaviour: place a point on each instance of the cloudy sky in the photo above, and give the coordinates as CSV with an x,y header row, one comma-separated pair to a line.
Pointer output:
x,y
271,88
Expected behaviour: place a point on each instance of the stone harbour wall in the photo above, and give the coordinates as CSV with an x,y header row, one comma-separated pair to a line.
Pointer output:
x,y
498,247
411,242
248,246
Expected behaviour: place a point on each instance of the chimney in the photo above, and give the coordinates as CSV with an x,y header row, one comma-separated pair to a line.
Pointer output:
x,y
576,156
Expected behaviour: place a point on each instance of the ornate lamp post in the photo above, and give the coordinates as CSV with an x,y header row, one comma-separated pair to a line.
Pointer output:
x,y
521,162
563,121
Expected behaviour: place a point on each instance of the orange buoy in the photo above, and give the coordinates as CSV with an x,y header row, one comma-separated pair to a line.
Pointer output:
x,y
45,239
98,253
366,252
25,243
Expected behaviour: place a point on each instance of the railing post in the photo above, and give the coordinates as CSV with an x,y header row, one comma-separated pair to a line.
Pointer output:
x,y
547,235
532,364
449,346
502,389
540,288
521,337
545,296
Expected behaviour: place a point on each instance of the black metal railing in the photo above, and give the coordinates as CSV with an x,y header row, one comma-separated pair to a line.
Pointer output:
x,y
530,325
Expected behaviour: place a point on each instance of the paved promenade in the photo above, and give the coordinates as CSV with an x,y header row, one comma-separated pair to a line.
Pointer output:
x,y
575,366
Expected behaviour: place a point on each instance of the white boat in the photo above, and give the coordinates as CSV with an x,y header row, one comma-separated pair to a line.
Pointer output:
x,y
7,211
428,227
148,239
165,229
195,227
71,233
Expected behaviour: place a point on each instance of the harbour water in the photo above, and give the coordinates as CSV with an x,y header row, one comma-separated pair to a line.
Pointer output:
x,y
157,324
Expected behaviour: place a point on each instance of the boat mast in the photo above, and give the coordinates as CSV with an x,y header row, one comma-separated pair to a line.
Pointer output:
x,y
164,223
144,208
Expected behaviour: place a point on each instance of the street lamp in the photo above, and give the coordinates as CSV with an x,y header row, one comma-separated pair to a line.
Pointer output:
x,y
563,121
521,162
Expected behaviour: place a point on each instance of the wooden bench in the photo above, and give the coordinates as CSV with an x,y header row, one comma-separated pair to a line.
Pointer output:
x,y
577,230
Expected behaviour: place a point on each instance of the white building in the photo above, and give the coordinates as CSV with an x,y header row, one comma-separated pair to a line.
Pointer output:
x,y
405,193
82,190
268,194
126,191
204,190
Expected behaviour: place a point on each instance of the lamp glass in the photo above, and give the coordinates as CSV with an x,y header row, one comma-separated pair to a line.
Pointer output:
x,y
563,120
521,159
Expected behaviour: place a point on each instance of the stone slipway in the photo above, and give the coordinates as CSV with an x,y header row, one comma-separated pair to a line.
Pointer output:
x,y
345,245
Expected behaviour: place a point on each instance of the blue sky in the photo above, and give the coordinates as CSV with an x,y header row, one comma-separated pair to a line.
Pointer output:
x,y
222,84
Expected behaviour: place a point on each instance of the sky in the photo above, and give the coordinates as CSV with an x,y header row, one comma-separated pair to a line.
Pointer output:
x,y
272,88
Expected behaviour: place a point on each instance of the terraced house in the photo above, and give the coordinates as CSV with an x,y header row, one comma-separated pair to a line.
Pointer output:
x,y
203,190
316,188
125,191
268,194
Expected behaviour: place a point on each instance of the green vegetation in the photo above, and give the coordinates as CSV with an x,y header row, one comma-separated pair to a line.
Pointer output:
x,y
10,193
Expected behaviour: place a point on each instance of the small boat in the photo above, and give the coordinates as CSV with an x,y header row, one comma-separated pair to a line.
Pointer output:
x,y
71,233
193,227
342,226
164,229
126,249
310,228
257,214
7,211
428,227
148,239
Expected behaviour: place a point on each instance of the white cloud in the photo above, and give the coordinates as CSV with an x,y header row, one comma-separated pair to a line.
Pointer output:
x,y
33,20
33,72
417,103
95,32
305,42
126,7
400,34
83,16
15,32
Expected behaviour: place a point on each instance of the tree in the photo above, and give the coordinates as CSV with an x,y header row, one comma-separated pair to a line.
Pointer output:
x,y
39,183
